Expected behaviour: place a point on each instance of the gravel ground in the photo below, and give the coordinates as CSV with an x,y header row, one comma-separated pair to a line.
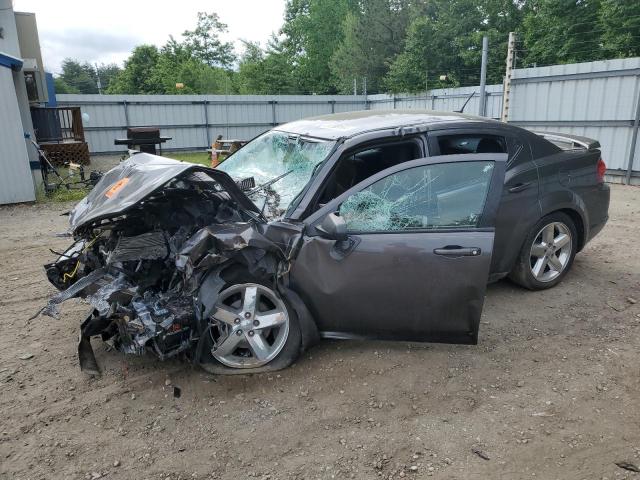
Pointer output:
x,y
551,391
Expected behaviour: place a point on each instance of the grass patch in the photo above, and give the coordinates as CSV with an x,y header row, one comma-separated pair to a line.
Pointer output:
x,y
201,158
63,195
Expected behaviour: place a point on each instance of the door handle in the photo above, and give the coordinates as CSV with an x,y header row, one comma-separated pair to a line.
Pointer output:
x,y
457,251
520,187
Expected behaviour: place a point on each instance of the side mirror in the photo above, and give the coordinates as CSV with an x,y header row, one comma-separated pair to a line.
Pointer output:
x,y
333,227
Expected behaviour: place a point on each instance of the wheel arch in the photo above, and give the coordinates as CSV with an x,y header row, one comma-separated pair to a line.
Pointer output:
x,y
521,273
308,326
578,220
572,205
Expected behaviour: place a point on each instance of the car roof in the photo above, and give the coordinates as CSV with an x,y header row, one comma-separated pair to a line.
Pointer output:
x,y
349,124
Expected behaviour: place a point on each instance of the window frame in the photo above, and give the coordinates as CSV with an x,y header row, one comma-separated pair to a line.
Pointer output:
x,y
434,145
487,217
418,139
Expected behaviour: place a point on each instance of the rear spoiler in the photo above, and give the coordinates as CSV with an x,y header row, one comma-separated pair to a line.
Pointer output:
x,y
574,141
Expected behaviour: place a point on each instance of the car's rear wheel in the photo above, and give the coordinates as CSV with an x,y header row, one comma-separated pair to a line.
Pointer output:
x,y
547,253
253,329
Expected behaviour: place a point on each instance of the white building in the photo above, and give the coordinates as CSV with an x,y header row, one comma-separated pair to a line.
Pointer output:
x,y
21,80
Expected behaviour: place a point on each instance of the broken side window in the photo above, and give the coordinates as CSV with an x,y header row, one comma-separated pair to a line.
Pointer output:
x,y
471,143
358,165
448,195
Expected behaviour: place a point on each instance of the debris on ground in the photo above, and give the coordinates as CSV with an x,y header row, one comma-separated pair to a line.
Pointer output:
x,y
480,453
628,466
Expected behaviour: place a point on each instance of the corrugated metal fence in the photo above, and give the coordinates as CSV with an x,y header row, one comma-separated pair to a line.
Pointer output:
x,y
443,100
596,99
193,121
599,100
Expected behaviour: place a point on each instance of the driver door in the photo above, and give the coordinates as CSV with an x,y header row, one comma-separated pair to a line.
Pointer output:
x,y
416,260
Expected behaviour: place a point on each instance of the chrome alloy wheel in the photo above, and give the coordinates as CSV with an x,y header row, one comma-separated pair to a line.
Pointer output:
x,y
551,251
250,326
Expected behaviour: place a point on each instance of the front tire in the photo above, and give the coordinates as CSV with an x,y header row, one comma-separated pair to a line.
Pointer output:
x,y
253,329
547,253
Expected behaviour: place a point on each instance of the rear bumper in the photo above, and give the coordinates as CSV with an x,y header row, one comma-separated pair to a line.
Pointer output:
x,y
598,211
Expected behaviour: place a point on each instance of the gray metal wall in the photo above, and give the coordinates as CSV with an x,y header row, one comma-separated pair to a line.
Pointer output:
x,y
443,100
596,99
193,121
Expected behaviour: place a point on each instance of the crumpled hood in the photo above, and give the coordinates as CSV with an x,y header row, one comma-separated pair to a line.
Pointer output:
x,y
135,179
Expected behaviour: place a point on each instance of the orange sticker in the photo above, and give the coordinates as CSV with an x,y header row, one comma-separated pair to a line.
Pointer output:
x,y
116,187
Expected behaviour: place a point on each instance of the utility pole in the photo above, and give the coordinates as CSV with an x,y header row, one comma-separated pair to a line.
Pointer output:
x,y
364,89
634,141
426,89
355,86
483,76
506,88
98,79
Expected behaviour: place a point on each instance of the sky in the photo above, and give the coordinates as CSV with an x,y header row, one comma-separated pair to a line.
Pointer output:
x,y
106,31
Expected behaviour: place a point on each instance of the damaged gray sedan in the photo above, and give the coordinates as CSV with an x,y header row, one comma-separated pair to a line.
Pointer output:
x,y
345,226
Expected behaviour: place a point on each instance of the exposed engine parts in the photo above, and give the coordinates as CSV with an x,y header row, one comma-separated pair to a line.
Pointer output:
x,y
152,243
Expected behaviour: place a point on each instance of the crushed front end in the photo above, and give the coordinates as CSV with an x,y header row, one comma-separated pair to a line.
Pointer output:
x,y
152,242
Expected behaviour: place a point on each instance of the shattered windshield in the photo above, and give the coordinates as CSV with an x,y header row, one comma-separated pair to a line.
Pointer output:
x,y
283,161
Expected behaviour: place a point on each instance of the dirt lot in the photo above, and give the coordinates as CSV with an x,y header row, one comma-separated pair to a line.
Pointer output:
x,y
552,390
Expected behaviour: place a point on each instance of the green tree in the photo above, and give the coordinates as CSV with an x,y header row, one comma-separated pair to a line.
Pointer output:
x,y
176,64
249,78
446,39
106,73
561,31
205,44
620,26
137,75
428,53
80,77
493,18
62,87
313,31
373,36
269,72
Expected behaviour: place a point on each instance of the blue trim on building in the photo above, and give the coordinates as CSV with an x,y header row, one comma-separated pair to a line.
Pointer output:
x,y
51,90
10,62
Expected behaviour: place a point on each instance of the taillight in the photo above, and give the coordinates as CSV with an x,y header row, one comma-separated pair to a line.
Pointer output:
x,y
601,170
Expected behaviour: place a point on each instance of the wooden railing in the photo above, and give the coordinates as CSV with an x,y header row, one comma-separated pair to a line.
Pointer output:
x,y
57,124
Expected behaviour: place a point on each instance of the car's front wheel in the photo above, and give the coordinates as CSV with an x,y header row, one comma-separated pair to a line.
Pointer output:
x,y
547,253
252,329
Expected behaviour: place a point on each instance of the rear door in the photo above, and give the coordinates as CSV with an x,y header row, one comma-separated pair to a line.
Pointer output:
x,y
416,262
519,206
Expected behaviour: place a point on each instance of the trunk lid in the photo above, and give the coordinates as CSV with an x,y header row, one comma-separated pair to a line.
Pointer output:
x,y
569,142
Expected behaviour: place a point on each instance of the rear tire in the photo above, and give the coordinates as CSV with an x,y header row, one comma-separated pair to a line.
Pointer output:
x,y
547,253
